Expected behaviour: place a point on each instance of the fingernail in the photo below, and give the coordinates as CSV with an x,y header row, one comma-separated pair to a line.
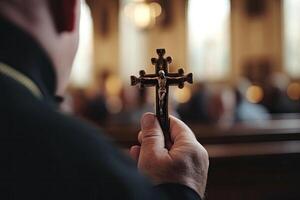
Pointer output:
x,y
148,121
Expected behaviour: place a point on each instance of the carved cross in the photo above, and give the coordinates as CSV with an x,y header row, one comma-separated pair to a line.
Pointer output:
x,y
162,79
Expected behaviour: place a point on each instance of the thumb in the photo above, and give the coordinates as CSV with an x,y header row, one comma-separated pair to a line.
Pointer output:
x,y
152,136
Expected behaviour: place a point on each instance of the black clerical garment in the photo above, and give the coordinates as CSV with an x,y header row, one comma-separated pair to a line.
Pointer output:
x,y
47,155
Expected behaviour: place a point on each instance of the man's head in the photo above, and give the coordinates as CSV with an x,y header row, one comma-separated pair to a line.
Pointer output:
x,y
54,24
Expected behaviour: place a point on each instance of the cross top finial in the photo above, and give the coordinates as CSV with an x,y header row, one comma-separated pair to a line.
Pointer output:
x,y
161,63
161,52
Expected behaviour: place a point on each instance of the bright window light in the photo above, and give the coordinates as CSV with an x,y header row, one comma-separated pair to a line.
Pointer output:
x,y
83,63
292,37
208,38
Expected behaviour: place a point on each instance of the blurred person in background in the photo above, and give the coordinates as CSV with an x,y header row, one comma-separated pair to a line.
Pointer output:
x,y
195,109
222,105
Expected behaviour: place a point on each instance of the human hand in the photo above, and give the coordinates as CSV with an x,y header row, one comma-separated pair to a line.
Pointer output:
x,y
185,162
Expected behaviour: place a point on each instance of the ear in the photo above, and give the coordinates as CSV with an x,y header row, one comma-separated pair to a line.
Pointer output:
x,y
64,14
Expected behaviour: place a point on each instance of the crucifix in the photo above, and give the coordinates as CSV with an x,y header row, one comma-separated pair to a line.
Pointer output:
x,y
162,79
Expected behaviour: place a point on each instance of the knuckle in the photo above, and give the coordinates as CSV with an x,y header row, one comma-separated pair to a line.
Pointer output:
x,y
204,157
180,165
149,135
205,153
199,155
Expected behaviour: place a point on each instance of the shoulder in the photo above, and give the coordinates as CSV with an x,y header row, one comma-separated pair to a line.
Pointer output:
x,y
47,145
37,122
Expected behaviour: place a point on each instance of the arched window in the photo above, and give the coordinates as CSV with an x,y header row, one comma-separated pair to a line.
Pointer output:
x,y
291,9
208,38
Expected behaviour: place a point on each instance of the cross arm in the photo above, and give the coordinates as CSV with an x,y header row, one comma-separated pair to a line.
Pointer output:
x,y
179,81
145,80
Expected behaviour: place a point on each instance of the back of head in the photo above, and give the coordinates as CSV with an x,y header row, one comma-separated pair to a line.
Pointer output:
x,y
54,24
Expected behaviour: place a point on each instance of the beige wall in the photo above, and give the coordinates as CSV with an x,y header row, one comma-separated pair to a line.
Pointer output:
x,y
106,45
256,37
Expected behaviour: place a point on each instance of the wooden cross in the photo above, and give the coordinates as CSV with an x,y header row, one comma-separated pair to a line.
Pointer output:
x,y
162,79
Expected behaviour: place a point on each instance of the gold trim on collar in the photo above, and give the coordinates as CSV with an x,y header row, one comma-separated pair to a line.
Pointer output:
x,y
21,78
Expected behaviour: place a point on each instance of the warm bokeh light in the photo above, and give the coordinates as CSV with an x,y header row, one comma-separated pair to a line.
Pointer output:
x,y
143,14
254,94
293,91
113,85
182,95
155,9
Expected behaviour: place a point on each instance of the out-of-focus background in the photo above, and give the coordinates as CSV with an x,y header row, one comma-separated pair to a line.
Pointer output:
x,y
244,104
244,54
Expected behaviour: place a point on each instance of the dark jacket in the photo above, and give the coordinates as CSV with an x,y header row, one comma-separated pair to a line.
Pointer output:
x,y
48,155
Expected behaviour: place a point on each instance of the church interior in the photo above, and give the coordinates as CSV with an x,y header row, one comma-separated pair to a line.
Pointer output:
x,y
244,103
